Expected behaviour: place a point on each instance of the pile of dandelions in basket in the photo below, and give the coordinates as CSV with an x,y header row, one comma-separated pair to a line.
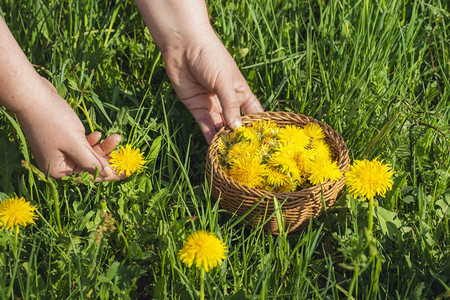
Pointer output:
x,y
278,159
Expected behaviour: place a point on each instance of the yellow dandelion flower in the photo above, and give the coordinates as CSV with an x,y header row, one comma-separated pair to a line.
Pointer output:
x,y
127,159
293,135
321,150
227,140
300,157
286,149
284,160
314,131
322,170
291,187
247,170
203,248
248,133
275,178
246,148
270,142
266,128
367,178
16,211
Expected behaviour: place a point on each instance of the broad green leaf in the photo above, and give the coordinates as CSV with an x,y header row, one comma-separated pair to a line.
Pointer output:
x,y
443,206
154,149
160,291
112,270
388,221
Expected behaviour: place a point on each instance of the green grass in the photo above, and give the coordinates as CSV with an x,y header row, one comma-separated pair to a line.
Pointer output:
x,y
376,71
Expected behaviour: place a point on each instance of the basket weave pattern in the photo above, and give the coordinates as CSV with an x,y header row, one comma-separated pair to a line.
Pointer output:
x,y
296,207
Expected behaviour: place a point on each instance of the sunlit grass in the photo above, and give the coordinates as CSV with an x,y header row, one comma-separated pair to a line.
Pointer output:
x,y
376,71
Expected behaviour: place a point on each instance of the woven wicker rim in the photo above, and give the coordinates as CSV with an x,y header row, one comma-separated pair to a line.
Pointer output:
x,y
281,118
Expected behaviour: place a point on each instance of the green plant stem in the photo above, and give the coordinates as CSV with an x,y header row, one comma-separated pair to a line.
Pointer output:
x,y
122,235
86,114
56,203
370,225
354,281
202,284
16,240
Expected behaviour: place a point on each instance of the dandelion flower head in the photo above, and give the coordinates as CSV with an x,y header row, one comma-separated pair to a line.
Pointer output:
x,y
293,135
16,211
322,170
320,150
368,178
276,178
203,248
246,148
247,170
248,133
266,128
285,162
314,131
127,159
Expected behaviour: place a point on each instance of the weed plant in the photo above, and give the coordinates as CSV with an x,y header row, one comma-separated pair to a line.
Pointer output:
x,y
376,71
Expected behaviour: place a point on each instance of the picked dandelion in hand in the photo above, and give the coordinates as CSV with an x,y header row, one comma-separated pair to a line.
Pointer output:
x,y
206,250
127,159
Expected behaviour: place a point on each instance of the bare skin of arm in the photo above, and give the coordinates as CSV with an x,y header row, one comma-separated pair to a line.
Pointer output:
x,y
202,72
53,130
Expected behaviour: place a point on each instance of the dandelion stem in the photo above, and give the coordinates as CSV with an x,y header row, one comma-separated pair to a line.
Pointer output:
x,y
370,225
354,282
16,240
202,284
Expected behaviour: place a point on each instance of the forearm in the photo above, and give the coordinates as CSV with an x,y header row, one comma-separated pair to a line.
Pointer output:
x,y
174,23
19,82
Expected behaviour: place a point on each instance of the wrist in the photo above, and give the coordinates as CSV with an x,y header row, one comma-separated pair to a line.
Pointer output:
x,y
36,93
173,23
42,98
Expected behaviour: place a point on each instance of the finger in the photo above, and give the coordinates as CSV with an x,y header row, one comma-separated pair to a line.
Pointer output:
x,y
216,113
107,146
93,138
204,121
232,91
87,160
207,112
251,106
226,93
110,143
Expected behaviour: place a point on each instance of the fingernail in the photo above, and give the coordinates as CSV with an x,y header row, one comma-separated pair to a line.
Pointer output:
x,y
106,172
236,123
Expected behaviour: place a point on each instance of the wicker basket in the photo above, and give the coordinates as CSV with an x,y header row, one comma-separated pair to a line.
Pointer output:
x,y
297,208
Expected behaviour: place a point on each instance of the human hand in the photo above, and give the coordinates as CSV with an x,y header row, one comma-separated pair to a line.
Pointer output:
x,y
209,83
53,130
57,138
203,73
